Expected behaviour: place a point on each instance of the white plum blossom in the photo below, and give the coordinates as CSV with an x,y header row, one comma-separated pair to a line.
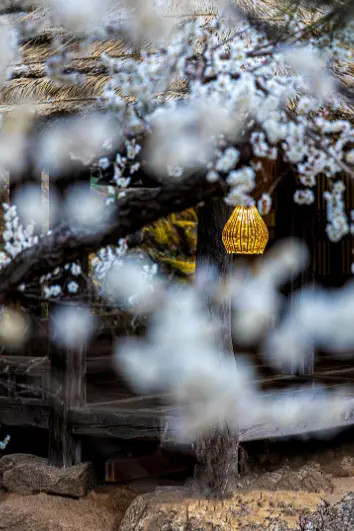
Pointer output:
x,y
16,237
76,139
75,269
228,160
212,176
241,183
107,258
304,197
104,163
182,360
73,287
31,207
52,291
264,204
255,307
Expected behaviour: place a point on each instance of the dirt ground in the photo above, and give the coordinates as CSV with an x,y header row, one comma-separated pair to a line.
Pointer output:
x,y
272,486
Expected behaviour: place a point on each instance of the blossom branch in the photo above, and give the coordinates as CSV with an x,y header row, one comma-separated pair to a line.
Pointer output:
x,y
137,209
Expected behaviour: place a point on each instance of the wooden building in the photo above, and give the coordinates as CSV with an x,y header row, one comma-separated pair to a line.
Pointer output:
x,y
94,401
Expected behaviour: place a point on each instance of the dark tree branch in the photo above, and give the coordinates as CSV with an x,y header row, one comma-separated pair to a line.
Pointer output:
x,y
137,209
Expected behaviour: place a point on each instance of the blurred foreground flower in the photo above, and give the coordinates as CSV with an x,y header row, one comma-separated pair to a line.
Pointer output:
x,y
184,134
84,209
14,130
31,207
79,16
132,283
72,326
311,66
13,328
181,358
80,139
9,50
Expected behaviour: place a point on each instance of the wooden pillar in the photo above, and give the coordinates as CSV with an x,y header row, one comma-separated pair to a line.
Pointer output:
x,y
217,451
68,367
297,221
68,389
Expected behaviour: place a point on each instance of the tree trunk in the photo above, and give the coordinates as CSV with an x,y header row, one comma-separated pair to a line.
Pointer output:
x,y
214,260
217,451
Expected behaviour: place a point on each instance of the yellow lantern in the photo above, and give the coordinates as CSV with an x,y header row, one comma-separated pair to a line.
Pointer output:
x,y
245,232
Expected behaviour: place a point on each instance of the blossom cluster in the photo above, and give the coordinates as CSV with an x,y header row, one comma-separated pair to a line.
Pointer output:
x,y
121,280
55,289
15,237
337,225
244,76
107,258
66,279
243,89
123,165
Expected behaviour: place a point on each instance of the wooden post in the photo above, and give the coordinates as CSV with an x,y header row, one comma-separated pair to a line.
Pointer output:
x,y
68,389
68,367
217,452
297,221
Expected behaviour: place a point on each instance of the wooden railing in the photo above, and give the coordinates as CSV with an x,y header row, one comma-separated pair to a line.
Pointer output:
x,y
145,417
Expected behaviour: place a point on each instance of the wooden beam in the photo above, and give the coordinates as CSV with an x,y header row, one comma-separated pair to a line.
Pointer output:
x,y
145,424
122,424
34,366
40,365
29,412
268,431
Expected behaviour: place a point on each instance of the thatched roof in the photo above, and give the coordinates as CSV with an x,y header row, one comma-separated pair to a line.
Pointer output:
x,y
29,80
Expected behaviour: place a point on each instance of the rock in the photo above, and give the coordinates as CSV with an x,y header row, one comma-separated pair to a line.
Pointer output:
x,y
42,512
8,461
171,509
345,511
30,475
346,468
309,478
340,517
